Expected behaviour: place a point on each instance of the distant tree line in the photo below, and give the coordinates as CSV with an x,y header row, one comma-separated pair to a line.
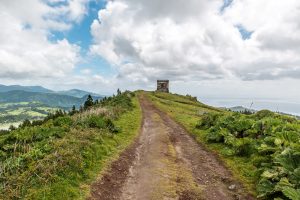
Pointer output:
x,y
245,112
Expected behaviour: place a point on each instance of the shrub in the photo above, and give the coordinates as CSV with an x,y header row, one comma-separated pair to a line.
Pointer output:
x,y
264,113
270,142
111,127
207,120
63,121
121,101
26,123
190,97
96,122
216,135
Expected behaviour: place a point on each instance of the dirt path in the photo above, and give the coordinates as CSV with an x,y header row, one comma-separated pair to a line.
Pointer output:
x,y
166,163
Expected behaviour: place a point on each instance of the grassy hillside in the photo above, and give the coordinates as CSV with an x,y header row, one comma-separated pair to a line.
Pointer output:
x,y
262,149
59,158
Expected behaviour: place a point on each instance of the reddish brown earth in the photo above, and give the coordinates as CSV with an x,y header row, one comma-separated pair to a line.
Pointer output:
x,y
166,163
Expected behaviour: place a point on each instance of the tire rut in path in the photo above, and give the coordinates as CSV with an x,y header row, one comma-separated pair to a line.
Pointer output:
x,y
166,163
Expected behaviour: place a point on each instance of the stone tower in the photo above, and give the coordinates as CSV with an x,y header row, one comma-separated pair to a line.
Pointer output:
x,y
163,86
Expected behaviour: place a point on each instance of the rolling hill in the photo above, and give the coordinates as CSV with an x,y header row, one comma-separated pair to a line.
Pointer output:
x,y
39,89
77,93
5,88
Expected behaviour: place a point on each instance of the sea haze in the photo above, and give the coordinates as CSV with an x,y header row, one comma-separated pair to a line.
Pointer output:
x,y
286,106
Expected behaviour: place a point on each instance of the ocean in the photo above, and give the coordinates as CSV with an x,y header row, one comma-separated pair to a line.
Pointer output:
x,y
276,105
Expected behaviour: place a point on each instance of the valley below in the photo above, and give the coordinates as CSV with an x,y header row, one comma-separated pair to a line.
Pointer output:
x,y
19,103
13,114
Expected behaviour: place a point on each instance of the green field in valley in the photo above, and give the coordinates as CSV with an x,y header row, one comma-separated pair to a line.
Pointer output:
x,y
15,113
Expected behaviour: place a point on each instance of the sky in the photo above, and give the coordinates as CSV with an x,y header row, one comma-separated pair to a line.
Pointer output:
x,y
212,49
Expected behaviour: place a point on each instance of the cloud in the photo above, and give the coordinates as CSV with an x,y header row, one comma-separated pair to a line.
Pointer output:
x,y
190,43
30,55
26,52
74,10
200,40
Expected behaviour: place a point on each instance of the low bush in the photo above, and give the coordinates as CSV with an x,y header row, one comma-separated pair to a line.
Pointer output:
x,y
270,141
96,122
63,121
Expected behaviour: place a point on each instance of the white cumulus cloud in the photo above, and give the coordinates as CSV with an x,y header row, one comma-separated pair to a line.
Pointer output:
x,y
26,49
195,40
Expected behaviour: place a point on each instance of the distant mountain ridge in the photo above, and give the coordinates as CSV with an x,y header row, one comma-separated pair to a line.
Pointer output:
x,y
63,99
73,92
5,88
77,93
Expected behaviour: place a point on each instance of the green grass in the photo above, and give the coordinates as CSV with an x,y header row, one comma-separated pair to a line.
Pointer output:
x,y
5,105
62,157
26,111
14,113
187,112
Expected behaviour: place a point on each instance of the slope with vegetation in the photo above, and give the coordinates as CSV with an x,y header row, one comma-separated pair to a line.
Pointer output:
x,y
262,149
58,157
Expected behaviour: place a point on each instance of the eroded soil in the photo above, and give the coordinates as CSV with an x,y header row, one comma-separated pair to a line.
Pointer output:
x,y
165,162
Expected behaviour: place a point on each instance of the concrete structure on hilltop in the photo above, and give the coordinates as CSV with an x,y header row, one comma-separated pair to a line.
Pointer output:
x,y
163,86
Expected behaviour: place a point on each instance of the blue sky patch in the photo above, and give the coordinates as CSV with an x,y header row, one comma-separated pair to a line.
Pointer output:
x,y
244,32
26,26
81,36
80,32
226,4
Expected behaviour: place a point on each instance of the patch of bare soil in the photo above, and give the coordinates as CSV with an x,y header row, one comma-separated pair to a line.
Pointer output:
x,y
166,163
109,186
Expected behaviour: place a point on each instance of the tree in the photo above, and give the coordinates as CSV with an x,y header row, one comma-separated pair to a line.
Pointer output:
x,y
73,111
89,102
12,128
81,109
26,123
119,92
